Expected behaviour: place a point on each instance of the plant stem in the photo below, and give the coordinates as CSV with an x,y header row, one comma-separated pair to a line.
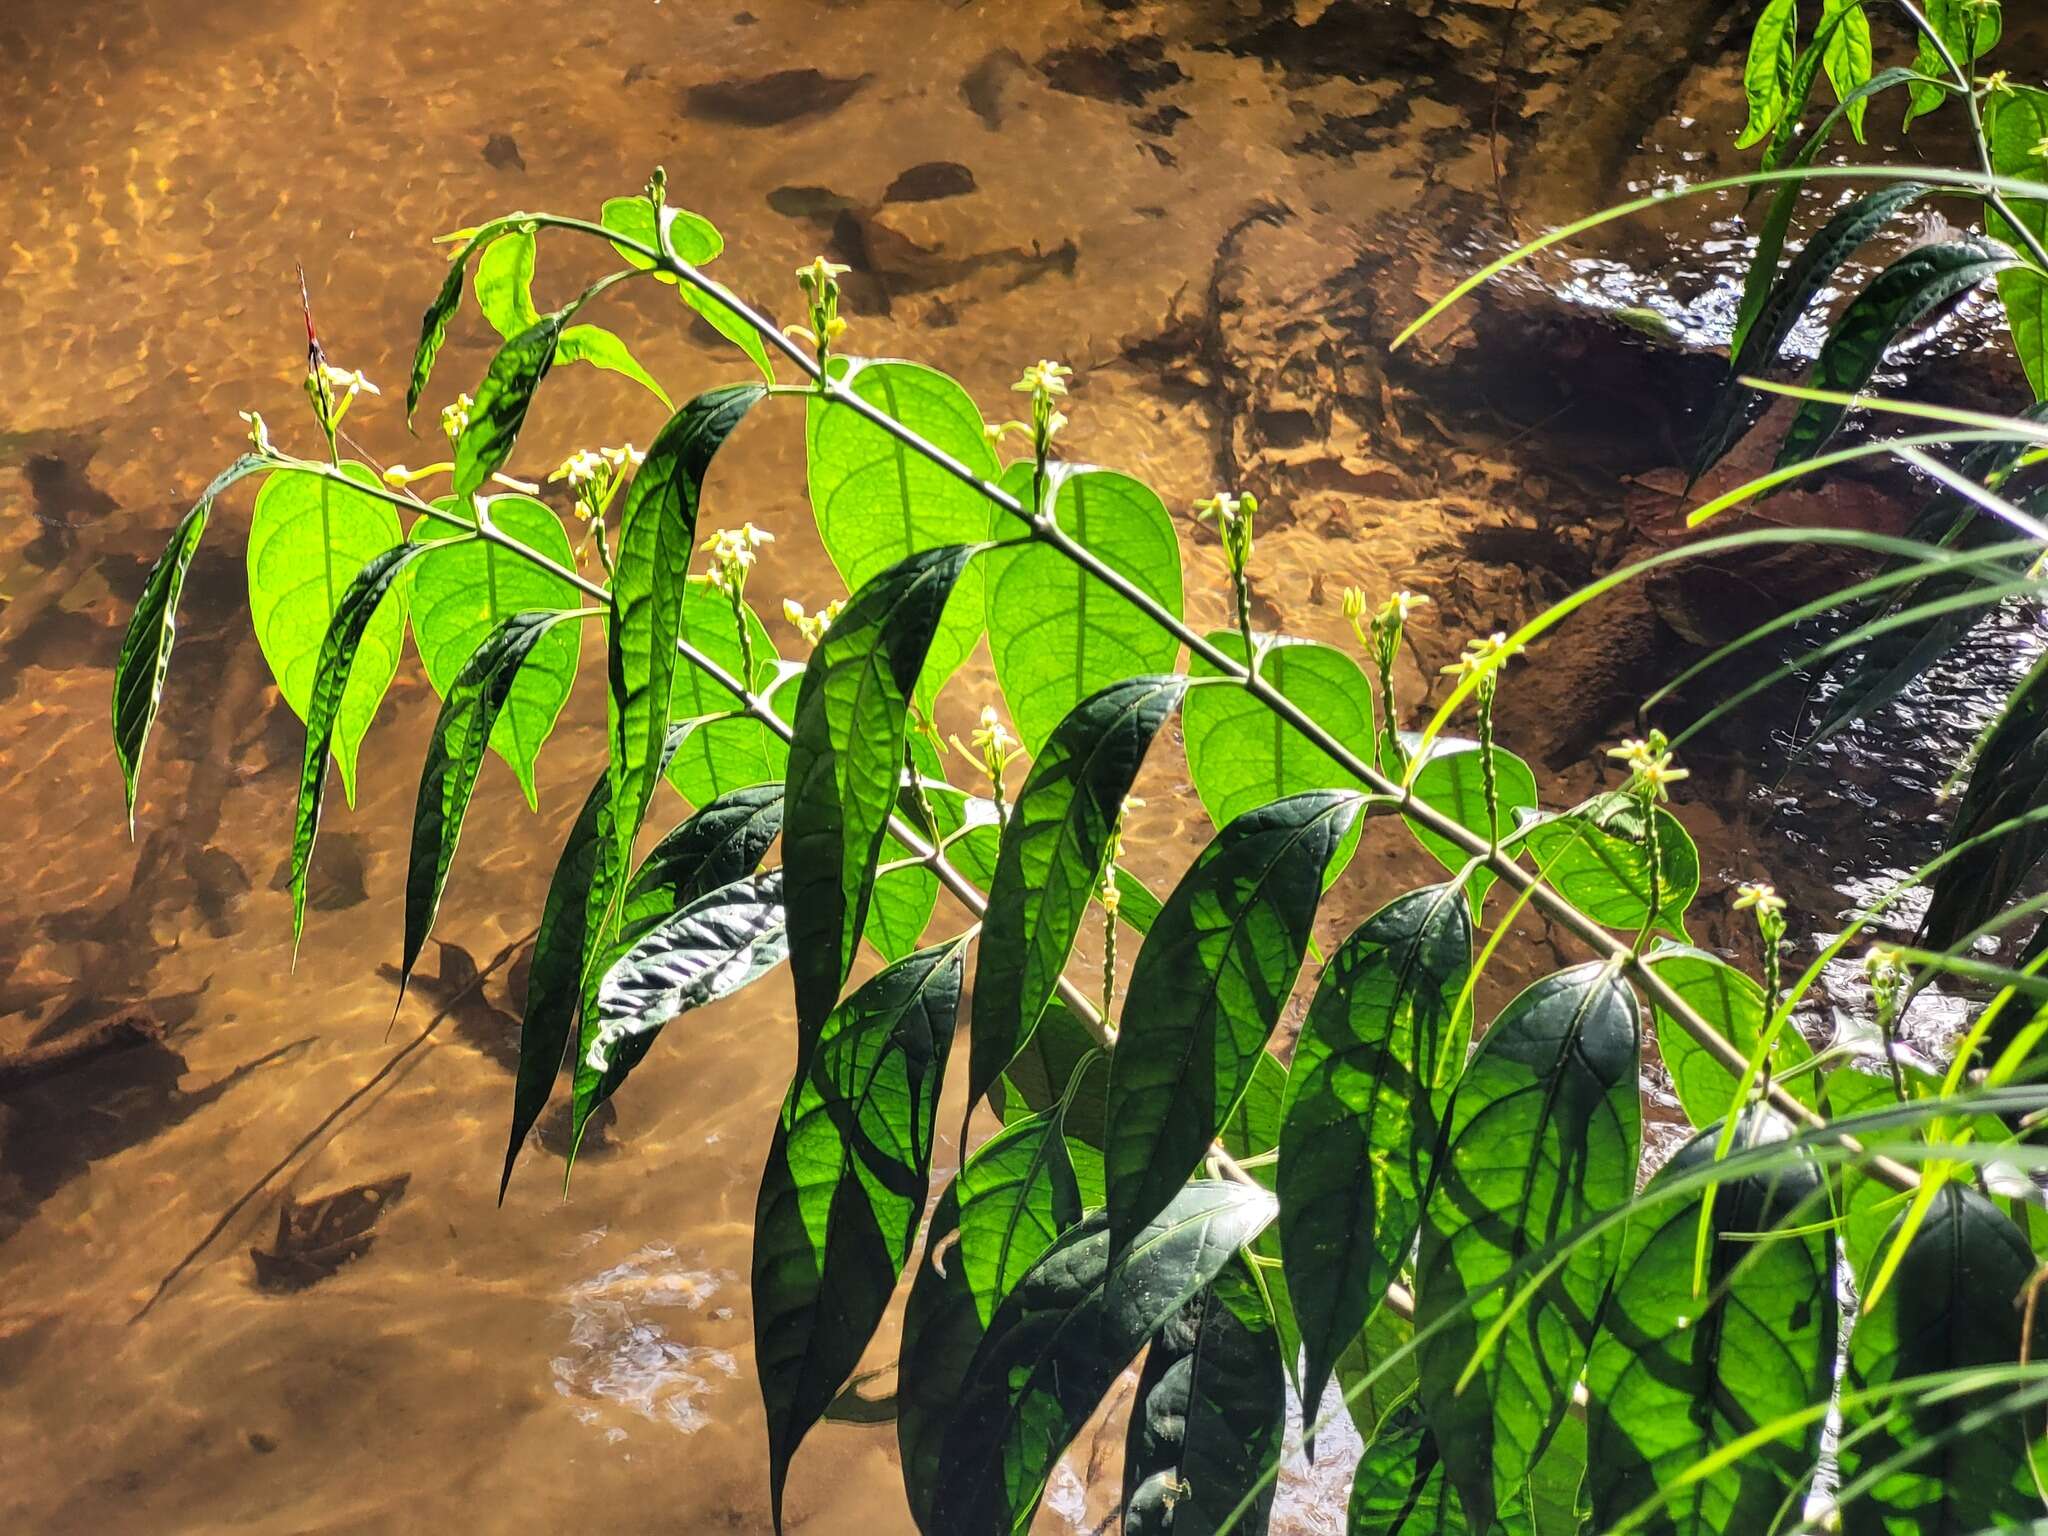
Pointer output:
x,y
1044,529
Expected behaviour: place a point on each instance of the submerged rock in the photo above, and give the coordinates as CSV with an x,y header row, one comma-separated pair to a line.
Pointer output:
x,y
501,153
929,182
769,100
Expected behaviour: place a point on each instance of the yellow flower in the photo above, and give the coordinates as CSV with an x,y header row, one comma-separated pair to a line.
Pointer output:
x,y
811,626
259,434
1482,655
1402,604
455,418
1354,603
1044,377
350,380
818,273
1763,898
579,469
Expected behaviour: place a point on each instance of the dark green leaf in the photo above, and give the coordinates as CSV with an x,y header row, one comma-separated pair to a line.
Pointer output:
x,y
146,646
1767,78
1733,1003
1542,1136
504,291
1206,991
1779,308
1051,862
2009,780
1676,1376
434,323
877,503
1374,1383
1897,299
2018,124
656,533
1056,633
502,401
455,755
352,616
1954,1303
1452,781
1599,859
1064,1334
723,842
1038,1079
1017,1193
709,949
1382,1045
1209,1417
567,952
1241,754
308,537
942,1328
845,1187
465,588
846,764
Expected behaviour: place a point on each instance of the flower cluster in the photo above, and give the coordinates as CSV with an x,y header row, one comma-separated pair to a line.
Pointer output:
x,y
733,551
812,626
1044,381
820,283
596,475
992,744
332,391
1232,516
1649,763
455,418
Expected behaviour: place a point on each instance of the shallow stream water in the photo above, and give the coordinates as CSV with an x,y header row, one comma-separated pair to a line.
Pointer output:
x,y
164,165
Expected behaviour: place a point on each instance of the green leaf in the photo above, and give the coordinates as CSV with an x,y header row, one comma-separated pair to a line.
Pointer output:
x,y
1969,28
1382,1045
1772,311
504,282
1676,1375
1951,1306
1767,77
738,750
146,646
1733,1002
1209,1417
1051,861
1452,781
846,764
1206,991
711,948
595,345
845,1187
332,673
723,842
475,702
309,536
1241,754
877,503
2018,123
657,532
1542,1136
1598,858
502,401
1375,1385
568,952
1057,634
1038,1079
1017,1194
687,236
463,589
1399,1488
2007,782
1846,54
1064,1334
1897,299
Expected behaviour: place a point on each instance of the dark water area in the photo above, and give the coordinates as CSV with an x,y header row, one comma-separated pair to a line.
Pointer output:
x,y
1219,211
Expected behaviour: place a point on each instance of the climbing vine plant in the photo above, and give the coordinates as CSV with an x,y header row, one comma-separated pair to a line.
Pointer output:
x,y
1450,1233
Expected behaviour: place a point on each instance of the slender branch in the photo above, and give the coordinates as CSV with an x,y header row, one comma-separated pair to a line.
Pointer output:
x,y
1045,530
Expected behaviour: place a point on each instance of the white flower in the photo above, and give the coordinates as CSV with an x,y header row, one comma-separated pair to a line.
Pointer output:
x,y
347,379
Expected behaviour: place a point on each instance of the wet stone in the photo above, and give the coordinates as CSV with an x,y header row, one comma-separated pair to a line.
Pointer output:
x,y
931,181
820,203
1129,71
769,100
316,1237
988,87
501,153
